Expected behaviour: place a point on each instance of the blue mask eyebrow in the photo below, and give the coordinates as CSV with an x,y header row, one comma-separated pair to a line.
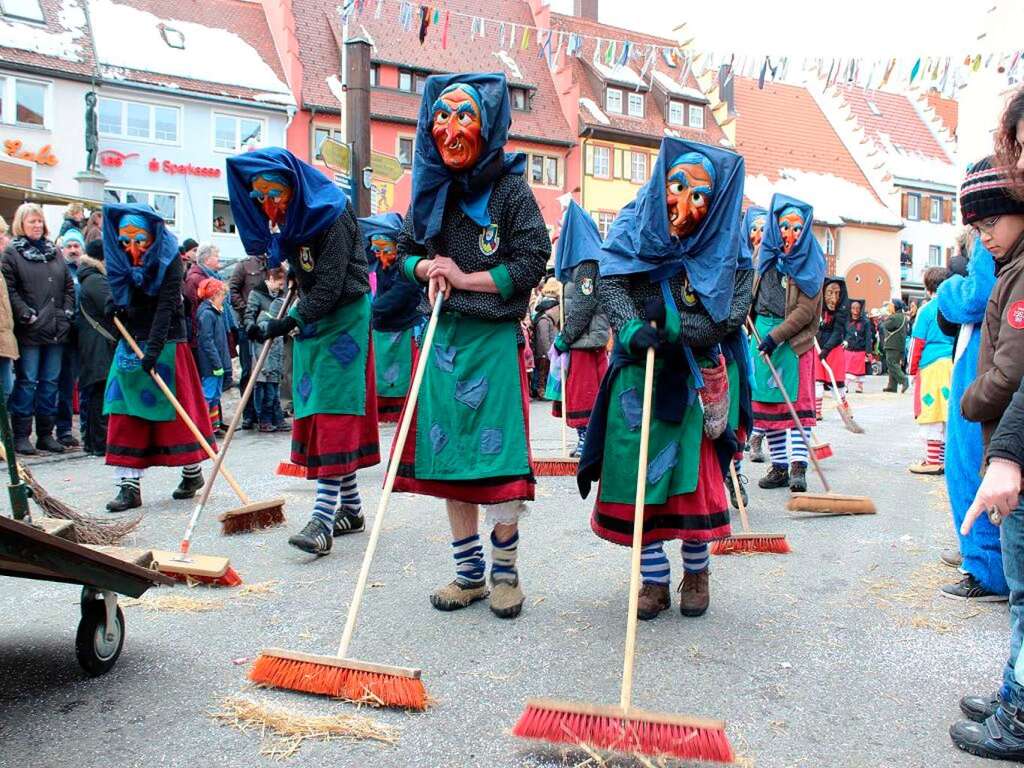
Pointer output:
x,y
440,106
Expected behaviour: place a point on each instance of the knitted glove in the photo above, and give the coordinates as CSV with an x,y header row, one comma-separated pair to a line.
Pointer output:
x,y
654,311
273,328
252,332
643,338
767,345
148,362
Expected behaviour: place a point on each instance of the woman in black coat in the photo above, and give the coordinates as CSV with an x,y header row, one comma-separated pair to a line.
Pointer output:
x,y
43,300
96,342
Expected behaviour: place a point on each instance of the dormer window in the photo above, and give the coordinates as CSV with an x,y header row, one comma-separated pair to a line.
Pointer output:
x,y
676,113
173,37
613,100
27,10
520,98
636,105
695,116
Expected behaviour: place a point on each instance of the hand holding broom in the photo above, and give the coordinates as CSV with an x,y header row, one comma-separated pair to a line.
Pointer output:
x,y
842,405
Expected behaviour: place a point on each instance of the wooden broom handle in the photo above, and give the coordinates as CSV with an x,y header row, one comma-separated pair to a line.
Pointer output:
x,y
792,409
739,498
389,481
626,695
561,364
181,413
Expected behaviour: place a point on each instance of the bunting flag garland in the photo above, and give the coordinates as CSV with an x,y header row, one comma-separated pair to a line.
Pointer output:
x,y
648,65
597,53
444,32
623,58
501,36
424,22
669,56
764,71
915,71
379,10
609,54
525,42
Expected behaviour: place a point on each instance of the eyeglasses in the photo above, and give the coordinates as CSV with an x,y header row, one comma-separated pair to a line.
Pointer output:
x,y
986,225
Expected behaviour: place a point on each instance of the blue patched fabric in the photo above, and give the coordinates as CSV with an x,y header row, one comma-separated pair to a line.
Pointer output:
x,y
390,375
632,408
471,392
663,463
148,398
345,349
114,392
491,441
305,386
444,358
307,331
438,437
164,372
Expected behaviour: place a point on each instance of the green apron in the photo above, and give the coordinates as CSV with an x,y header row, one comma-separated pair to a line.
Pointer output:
x,y
673,456
132,392
329,359
469,419
733,371
785,361
392,354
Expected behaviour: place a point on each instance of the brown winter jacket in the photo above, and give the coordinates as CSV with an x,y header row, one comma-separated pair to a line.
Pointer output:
x,y
248,273
1001,355
803,313
8,343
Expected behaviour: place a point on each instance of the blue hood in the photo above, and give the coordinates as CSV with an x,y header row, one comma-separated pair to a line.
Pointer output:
x,y
387,224
805,264
578,240
639,241
316,203
149,276
431,178
746,257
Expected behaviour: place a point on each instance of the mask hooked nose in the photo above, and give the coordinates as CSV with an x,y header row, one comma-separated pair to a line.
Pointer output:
x,y
135,251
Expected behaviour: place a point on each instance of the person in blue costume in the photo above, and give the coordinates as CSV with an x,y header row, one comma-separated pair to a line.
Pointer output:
x,y
475,234
961,301
292,212
144,274
668,282
753,234
396,314
583,339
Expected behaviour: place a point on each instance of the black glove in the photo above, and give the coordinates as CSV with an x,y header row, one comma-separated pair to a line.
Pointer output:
x,y
124,314
824,353
654,311
148,362
273,328
646,336
252,332
767,345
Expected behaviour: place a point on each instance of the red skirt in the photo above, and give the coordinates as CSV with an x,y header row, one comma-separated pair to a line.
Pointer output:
x,y
702,515
836,360
332,444
490,490
138,443
773,416
586,369
389,409
856,363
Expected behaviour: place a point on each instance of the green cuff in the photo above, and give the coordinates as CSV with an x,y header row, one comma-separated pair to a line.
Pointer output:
x,y
627,332
673,325
410,267
503,280
293,313
560,344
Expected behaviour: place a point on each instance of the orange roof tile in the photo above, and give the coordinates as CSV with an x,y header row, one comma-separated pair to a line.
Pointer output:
x,y
948,110
896,119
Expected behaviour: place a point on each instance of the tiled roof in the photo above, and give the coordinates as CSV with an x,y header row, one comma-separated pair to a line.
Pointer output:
x,y
591,82
316,23
896,122
948,110
61,43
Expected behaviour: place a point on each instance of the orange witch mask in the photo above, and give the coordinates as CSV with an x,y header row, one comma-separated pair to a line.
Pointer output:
x,y
385,249
756,234
458,127
272,193
135,238
688,189
791,225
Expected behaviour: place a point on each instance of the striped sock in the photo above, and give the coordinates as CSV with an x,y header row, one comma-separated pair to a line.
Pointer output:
x,y
469,561
348,495
798,448
777,447
936,452
654,566
326,501
503,559
215,414
695,556
134,483
122,473
191,471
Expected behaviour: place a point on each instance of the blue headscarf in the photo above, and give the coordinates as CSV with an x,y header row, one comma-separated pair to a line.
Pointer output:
x,y
121,274
316,203
639,241
388,225
578,240
805,264
432,179
746,257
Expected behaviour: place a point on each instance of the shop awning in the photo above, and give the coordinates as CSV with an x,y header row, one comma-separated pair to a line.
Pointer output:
x,y
22,194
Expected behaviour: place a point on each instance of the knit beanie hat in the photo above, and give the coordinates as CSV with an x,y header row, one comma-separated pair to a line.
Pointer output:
x,y
72,236
985,192
209,288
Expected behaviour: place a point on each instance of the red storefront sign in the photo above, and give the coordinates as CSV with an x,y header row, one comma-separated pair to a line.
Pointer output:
x,y
185,169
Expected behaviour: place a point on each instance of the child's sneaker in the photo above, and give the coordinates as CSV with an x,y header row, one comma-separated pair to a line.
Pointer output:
x,y
268,428
312,539
348,522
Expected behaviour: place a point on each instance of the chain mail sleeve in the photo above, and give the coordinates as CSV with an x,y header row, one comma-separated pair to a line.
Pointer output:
x,y
577,323
336,248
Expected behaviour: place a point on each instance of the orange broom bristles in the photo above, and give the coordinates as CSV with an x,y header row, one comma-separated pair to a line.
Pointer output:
x,y
357,685
555,467
630,733
287,469
252,521
766,543
822,451
229,578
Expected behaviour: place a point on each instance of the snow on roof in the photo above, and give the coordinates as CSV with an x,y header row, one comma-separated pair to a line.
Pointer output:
x,y
674,88
595,111
130,38
915,166
276,98
620,74
836,201
61,45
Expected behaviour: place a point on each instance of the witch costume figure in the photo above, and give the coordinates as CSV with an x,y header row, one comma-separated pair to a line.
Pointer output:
x,y
144,430
291,211
835,317
786,313
475,234
396,314
583,339
668,282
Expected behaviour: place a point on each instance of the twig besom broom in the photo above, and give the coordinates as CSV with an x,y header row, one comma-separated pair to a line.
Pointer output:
x,y
180,565
827,502
842,404
565,465
337,675
623,728
768,543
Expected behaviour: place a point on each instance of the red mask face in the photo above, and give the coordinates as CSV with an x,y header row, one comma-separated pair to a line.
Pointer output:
x,y
688,191
457,129
791,224
135,241
385,249
756,234
272,197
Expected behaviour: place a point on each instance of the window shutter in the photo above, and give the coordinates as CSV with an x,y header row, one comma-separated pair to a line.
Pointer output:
x,y
926,207
947,211
588,160
906,204
617,164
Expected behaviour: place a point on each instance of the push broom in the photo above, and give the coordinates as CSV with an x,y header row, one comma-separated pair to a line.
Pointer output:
x,y
182,565
565,465
622,728
825,503
742,543
338,675
842,405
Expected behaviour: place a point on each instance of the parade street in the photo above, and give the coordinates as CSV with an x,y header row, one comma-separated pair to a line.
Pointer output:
x,y
839,654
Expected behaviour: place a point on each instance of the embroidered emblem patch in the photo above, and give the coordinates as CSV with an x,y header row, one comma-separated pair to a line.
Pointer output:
x,y
784,282
489,240
1015,315
306,259
689,297
587,286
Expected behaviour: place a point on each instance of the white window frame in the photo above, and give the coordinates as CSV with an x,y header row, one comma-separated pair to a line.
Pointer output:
x,y
238,118
608,98
543,171
604,216
680,118
935,214
214,199
41,19
634,167
152,106
607,152
333,132
635,104
913,206
830,242
936,251
9,90
150,192
695,111
398,149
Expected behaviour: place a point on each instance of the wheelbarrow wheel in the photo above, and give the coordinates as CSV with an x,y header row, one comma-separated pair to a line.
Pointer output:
x,y
95,651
